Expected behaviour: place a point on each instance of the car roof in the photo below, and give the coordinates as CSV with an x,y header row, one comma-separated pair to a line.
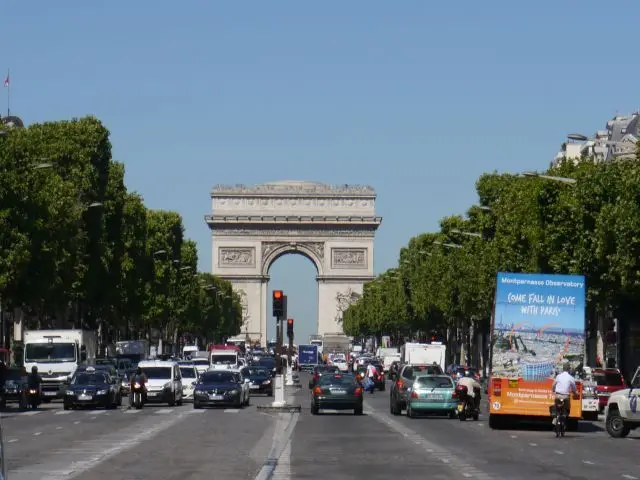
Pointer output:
x,y
157,363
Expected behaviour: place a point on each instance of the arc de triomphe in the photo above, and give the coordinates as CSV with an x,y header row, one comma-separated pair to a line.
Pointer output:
x,y
334,226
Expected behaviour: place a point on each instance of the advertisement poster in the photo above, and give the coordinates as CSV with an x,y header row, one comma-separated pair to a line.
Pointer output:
x,y
538,325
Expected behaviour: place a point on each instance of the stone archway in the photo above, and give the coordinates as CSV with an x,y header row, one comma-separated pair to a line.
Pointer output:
x,y
333,226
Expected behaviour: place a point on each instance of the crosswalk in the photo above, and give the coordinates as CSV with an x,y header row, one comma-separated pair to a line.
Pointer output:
x,y
119,411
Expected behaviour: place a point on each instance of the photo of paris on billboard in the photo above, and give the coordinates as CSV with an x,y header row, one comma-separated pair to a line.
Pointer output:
x,y
538,324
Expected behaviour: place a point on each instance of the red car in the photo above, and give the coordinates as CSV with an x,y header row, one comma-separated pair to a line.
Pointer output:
x,y
608,380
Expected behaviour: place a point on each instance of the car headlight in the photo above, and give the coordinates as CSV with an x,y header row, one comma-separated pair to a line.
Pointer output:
x,y
69,392
101,392
266,382
233,392
167,386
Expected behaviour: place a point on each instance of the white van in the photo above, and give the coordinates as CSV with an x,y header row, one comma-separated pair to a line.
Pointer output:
x,y
164,381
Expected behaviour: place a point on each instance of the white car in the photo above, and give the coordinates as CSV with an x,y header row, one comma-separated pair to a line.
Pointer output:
x,y
190,377
342,364
201,364
164,382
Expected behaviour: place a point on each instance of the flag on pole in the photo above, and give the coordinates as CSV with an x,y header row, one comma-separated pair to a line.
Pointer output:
x,y
7,80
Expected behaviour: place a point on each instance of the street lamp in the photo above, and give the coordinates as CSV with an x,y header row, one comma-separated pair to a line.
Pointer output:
x,y
469,234
160,252
569,181
448,245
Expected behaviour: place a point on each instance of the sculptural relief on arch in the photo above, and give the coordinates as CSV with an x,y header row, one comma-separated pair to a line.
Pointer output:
x,y
334,226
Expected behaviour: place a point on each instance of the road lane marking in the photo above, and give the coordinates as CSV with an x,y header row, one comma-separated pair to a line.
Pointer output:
x,y
63,412
283,468
514,436
37,434
133,411
76,422
94,452
13,440
533,444
281,438
630,477
559,452
96,412
231,410
457,463
588,462
58,428
164,411
31,413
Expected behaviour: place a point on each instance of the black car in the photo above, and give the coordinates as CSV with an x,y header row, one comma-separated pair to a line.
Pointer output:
x,y
321,370
92,388
337,392
218,387
12,390
268,363
260,380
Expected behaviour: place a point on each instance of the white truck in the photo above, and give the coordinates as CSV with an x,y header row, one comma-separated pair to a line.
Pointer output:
x,y
621,413
423,354
317,341
134,350
224,359
388,355
57,354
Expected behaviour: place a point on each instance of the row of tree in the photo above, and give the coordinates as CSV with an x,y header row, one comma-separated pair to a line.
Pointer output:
x,y
576,218
78,249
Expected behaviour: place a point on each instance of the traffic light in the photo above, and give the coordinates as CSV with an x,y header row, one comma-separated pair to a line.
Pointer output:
x,y
278,303
290,327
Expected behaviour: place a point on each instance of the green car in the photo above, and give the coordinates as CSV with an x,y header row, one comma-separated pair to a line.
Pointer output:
x,y
432,394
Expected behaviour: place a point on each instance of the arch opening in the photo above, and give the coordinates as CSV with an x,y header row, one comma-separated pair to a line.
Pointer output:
x,y
294,272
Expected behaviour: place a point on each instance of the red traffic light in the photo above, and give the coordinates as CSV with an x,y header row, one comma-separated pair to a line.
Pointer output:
x,y
277,294
290,321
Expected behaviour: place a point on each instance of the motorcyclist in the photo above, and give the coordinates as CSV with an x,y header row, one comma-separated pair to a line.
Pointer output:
x,y
473,389
137,377
34,380
563,386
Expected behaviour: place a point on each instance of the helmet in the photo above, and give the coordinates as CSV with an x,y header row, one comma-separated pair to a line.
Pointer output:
x,y
34,369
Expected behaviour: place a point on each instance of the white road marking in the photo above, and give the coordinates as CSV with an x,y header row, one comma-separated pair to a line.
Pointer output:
x,y
132,411
559,452
58,428
588,462
94,452
283,468
76,422
31,413
37,434
96,412
93,418
454,461
63,412
13,440
231,410
630,477
188,412
164,411
514,436
533,444
281,439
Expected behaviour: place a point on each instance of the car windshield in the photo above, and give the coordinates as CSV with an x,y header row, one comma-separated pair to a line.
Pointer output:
x,y
223,359
342,380
267,362
157,373
434,382
425,370
187,372
200,361
89,379
219,377
13,375
326,369
258,371
608,379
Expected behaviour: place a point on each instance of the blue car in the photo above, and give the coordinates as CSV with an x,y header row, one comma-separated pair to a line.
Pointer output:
x,y
432,394
220,387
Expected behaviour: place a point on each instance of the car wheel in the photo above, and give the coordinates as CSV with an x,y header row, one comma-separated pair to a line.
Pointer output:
x,y
358,410
314,409
196,406
615,425
410,412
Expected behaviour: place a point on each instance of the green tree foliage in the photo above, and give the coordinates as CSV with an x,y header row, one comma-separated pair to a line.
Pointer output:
x,y
78,249
521,224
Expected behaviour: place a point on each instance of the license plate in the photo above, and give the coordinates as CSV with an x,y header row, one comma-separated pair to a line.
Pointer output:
x,y
338,392
590,405
459,408
435,397
216,397
153,394
254,387
85,397
50,394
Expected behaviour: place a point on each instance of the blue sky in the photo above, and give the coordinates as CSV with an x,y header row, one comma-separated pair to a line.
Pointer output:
x,y
415,98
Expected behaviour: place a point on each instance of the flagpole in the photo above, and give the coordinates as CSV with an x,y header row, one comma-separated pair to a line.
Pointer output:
x,y
9,93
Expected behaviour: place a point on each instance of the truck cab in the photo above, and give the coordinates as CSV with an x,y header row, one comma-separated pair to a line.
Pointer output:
x,y
621,413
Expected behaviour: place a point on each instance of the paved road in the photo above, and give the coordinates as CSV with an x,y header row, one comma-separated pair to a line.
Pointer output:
x,y
182,443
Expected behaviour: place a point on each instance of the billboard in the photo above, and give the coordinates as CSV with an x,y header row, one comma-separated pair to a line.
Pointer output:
x,y
539,324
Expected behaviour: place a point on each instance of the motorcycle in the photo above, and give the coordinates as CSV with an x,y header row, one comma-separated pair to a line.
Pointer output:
x,y
466,404
138,395
33,397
